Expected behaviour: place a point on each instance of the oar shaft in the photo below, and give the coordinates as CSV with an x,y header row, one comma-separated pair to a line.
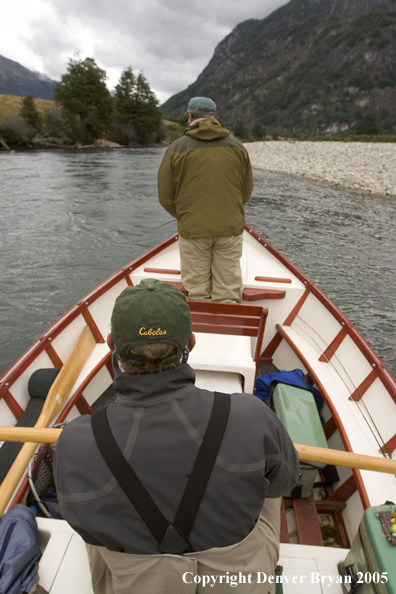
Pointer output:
x,y
54,402
348,459
29,434
305,453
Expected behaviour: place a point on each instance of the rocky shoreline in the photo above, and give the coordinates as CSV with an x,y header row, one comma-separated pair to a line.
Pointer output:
x,y
367,166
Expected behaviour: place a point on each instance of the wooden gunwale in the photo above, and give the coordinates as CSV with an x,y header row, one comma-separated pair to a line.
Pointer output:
x,y
41,344
13,405
373,359
79,392
333,411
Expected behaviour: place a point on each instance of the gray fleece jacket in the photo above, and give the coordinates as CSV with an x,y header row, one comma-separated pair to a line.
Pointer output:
x,y
158,421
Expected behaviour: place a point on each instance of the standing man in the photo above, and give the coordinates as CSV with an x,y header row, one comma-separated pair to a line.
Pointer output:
x,y
204,465
204,180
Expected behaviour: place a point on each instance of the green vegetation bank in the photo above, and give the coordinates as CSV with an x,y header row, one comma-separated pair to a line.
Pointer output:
x,y
85,111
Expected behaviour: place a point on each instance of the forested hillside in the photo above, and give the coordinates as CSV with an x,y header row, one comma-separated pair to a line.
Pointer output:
x,y
312,67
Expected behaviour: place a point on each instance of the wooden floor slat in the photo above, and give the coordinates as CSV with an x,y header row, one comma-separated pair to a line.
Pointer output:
x,y
308,527
284,531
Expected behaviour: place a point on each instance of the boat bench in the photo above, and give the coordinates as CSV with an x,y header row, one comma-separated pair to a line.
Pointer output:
x,y
212,323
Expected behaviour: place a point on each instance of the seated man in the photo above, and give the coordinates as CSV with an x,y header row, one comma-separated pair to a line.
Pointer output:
x,y
204,463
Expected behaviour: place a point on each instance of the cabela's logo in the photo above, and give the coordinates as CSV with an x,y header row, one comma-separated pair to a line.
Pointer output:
x,y
151,332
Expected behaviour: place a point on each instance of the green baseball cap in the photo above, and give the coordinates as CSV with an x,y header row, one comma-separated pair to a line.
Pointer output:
x,y
152,311
201,105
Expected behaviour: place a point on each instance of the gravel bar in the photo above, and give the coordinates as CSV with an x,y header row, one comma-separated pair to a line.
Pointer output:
x,y
368,166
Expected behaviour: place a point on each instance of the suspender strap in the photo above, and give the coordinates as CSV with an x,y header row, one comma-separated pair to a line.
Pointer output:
x,y
171,538
203,465
126,476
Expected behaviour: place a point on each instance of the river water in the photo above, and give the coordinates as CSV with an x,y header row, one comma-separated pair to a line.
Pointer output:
x,y
69,219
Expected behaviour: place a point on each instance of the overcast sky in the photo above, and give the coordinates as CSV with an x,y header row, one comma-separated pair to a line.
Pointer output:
x,y
171,41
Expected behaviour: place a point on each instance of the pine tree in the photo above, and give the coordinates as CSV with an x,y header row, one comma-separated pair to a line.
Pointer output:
x,y
368,125
29,113
83,93
137,106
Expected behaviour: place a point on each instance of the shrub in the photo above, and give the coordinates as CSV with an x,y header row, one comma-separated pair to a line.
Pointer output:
x,y
368,126
55,124
258,131
240,130
15,131
124,132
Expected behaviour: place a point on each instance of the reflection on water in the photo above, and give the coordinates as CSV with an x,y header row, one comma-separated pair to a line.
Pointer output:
x,y
71,218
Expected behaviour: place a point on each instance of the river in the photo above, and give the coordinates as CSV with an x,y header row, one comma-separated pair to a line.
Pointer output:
x,y
71,218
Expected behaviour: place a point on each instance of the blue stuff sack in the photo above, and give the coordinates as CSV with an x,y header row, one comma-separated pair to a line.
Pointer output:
x,y
19,551
265,384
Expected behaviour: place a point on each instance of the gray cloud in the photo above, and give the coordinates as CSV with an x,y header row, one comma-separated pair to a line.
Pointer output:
x,y
170,40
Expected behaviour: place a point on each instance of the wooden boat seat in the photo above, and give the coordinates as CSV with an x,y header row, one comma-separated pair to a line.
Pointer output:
x,y
212,323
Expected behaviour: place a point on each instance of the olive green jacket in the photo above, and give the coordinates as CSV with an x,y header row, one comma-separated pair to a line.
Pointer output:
x,y
204,180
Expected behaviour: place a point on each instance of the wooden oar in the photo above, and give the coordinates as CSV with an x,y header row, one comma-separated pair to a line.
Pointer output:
x,y
347,459
305,453
54,402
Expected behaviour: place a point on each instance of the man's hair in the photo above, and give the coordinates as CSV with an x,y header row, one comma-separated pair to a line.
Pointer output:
x,y
199,116
152,351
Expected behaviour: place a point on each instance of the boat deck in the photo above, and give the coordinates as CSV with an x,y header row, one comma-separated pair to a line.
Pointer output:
x,y
64,565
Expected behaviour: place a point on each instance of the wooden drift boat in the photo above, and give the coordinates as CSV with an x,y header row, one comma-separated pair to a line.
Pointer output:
x,y
284,322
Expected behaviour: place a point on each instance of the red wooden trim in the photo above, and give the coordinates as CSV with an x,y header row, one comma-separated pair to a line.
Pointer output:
x,y
178,285
13,405
110,369
383,373
271,347
308,527
217,329
331,349
237,309
201,317
294,312
389,446
270,279
162,270
129,281
205,310
325,506
94,329
53,355
83,406
329,428
341,531
258,294
260,336
20,494
333,412
364,386
344,491
309,378
284,530
77,394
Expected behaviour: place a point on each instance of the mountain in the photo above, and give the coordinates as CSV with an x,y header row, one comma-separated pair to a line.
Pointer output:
x,y
18,80
311,67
